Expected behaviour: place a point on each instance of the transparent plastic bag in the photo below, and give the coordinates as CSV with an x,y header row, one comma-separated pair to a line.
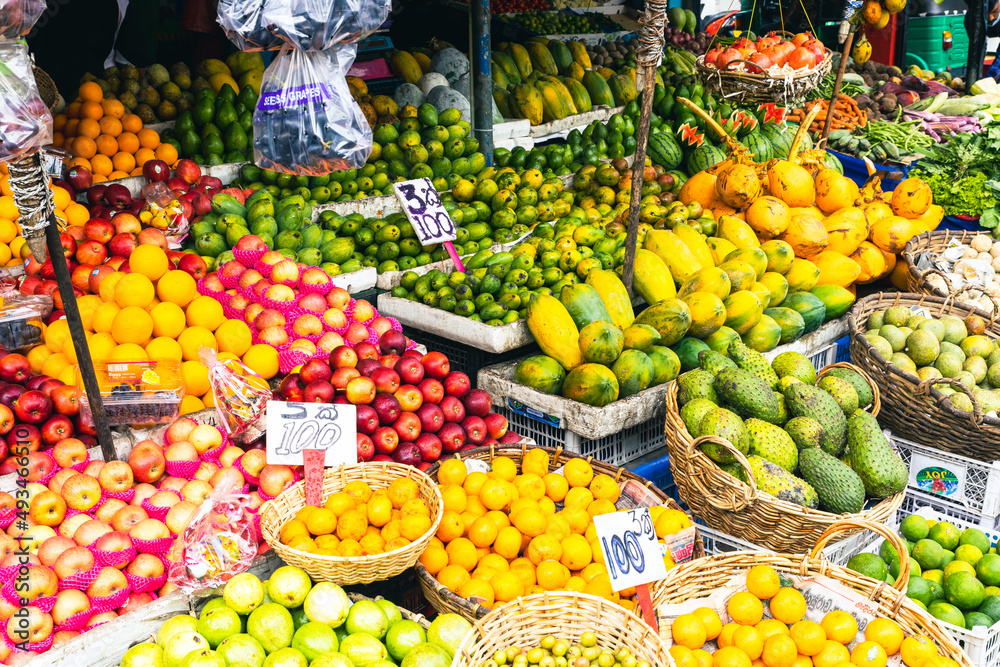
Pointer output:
x,y
163,211
18,16
242,405
25,121
219,543
243,23
306,122
321,24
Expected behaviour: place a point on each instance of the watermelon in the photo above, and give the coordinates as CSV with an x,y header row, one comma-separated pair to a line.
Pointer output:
x,y
704,157
779,137
833,162
760,148
663,150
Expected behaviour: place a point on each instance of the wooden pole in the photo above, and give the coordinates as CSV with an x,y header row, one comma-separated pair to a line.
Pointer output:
x,y
642,137
836,87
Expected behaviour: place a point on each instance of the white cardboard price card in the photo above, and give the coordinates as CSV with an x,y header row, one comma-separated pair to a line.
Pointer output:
x,y
425,212
632,554
292,427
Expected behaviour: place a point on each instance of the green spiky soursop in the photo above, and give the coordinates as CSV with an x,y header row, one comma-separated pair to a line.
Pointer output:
x,y
794,365
713,362
772,443
860,384
696,384
842,392
736,470
840,489
804,400
693,412
750,360
805,432
728,426
783,485
747,395
873,458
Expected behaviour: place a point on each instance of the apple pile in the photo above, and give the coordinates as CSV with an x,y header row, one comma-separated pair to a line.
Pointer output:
x,y
411,406
101,536
804,51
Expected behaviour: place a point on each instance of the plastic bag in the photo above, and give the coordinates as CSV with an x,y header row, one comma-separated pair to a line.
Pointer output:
x,y
306,122
18,16
165,212
242,405
25,121
243,23
219,543
321,24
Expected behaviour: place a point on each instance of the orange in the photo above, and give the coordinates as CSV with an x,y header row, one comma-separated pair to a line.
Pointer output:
x,y
261,359
168,319
869,654
495,562
234,337
770,627
745,608
110,126
508,543
500,519
916,649
113,108
349,548
578,472
73,110
556,486
788,606
167,153
507,586
558,527
748,640
76,214
434,559
601,506
576,552
123,161
131,122
452,471
58,139
413,527
176,287
483,532
478,591
59,122
577,518
763,582
688,631
204,311
292,529
351,525
545,547
321,522
495,494
391,530
148,138
535,462
132,325
143,155
592,570
730,657
840,626
195,377
474,482
604,487
164,349
454,497
453,577
72,128
710,621
84,147
576,584
779,651
530,486
886,633
579,496
134,289
91,110
401,490
503,468
702,657
359,491
552,575
372,544
89,128
530,522
106,145
379,511
525,570
808,636
462,552
128,142
832,654
90,92
102,165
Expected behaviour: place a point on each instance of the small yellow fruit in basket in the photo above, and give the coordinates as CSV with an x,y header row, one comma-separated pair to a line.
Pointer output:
x,y
809,637
788,606
869,654
916,649
745,609
779,651
688,631
886,633
840,626
763,581
710,620
748,640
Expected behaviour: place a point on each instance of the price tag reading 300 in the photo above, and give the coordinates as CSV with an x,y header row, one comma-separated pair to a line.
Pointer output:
x,y
425,212
631,551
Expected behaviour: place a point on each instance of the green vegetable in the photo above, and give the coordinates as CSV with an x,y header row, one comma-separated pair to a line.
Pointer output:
x,y
967,196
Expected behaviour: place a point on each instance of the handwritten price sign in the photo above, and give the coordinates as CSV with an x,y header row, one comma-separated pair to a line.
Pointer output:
x,y
293,427
631,551
425,212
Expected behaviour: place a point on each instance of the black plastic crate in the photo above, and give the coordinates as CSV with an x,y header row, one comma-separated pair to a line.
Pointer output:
x,y
465,358
403,590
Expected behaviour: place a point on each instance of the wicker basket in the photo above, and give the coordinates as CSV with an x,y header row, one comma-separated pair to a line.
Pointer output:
x,y
345,570
523,622
444,601
913,408
698,578
727,504
933,243
758,87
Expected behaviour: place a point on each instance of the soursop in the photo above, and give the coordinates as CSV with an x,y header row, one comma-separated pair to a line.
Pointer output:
x,y
794,365
783,485
805,432
728,426
805,400
860,384
753,361
873,458
842,392
772,443
696,384
840,489
747,395
714,362
693,412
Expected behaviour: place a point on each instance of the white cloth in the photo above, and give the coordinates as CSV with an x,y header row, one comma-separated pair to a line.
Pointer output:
x,y
116,58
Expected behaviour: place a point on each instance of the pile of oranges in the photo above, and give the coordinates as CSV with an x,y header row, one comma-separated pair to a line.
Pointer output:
x,y
154,313
67,211
102,137
360,522
786,638
502,536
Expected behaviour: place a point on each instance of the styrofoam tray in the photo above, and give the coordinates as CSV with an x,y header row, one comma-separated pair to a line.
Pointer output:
x,y
558,129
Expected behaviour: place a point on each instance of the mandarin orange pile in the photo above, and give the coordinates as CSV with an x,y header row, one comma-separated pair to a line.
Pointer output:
x,y
360,522
786,638
102,137
155,313
502,536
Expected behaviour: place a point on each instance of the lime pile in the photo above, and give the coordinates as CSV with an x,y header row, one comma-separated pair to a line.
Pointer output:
x,y
561,651
954,574
288,621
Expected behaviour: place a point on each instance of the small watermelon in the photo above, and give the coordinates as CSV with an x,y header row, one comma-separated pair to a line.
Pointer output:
x,y
704,157
664,150
760,148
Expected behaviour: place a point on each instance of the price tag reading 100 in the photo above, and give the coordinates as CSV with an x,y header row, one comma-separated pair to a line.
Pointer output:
x,y
425,212
631,551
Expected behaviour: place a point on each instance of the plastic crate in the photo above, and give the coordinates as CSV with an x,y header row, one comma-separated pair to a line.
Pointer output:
x,y
825,356
465,358
838,553
844,349
942,477
915,501
616,449
383,86
655,470
402,590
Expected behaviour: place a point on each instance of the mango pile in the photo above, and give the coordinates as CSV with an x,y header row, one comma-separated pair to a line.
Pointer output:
x,y
809,441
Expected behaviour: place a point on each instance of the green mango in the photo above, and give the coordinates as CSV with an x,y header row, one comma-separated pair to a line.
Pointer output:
x,y
225,115
234,233
234,138
312,236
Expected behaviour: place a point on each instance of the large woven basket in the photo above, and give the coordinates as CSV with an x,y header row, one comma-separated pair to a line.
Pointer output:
x,y
523,622
933,243
757,86
444,601
345,570
736,508
912,408
699,578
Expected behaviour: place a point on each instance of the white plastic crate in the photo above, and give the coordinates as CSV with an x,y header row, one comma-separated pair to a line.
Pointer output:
x,y
971,484
615,449
915,501
838,553
981,645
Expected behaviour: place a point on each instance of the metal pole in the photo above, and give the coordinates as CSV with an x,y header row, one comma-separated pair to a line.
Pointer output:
x,y
836,87
482,81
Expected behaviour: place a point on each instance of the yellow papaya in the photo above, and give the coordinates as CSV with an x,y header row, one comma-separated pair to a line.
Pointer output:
x,y
719,248
695,242
836,268
614,295
802,276
651,278
707,313
711,280
681,261
405,66
845,230
579,53
554,330
737,232
525,101
541,58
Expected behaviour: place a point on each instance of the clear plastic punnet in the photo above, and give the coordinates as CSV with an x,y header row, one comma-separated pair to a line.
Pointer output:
x,y
136,393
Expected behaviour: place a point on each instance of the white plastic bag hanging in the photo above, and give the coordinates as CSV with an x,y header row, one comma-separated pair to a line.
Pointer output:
x,y
18,16
320,24
25,121
243,23
306,122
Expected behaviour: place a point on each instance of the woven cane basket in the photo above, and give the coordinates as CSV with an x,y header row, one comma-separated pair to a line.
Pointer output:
x,y
913,408
917,281
345,570
444,601
758,86
727,504
523,622
700,577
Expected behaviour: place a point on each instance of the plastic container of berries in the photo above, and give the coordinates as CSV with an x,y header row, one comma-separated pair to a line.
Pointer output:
x,y
21,320
138,393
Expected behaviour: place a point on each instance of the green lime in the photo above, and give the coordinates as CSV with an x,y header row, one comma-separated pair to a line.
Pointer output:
x,y
928,554
919,588
869,565
313,639
947,613
914,527
992,590
945,534
977,538
937,590
988,570
947,557
991,607
974,618
936,576
957,566
963,590
968,553
887,551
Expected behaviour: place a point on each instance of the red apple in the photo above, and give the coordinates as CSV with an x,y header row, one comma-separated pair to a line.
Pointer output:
x,y
319,391
188,170
33,407
431,417
366,448
453,409
55,428
409,369
15,368
436,365
496,425
475,430
367,418
386,380
457,384
432,390
430,446
452,437
193,265
408,426
386,440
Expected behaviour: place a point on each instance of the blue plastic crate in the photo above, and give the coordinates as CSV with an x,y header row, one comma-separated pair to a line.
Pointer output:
x,y
844,349
656,471
959,224
856,170
386,86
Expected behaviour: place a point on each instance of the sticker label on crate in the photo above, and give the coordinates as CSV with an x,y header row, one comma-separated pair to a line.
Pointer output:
x,y
631,551
294,426
539,416
932,476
